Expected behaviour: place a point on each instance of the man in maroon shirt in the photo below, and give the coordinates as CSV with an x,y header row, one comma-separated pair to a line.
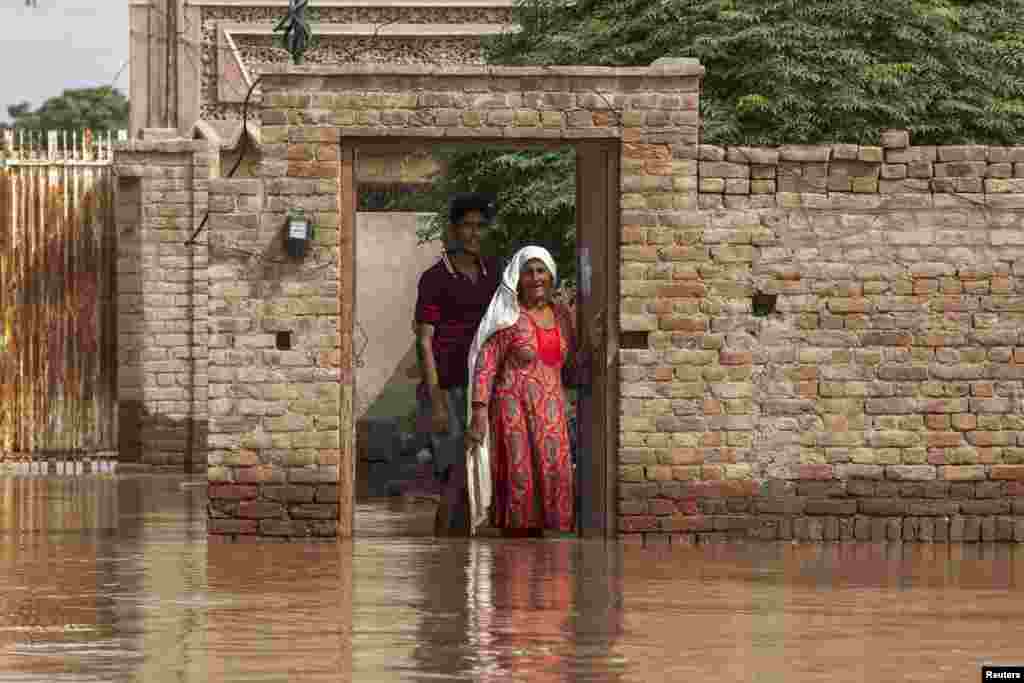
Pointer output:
x,y
453,296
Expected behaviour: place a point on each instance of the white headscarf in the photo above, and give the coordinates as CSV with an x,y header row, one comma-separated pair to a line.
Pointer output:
x,y
503,312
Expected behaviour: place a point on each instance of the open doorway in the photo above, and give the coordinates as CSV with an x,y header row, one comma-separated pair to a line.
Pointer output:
x,y
392,454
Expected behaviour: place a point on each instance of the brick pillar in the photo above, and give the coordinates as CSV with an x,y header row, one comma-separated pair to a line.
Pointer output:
x,y
274,382
161,287
667,427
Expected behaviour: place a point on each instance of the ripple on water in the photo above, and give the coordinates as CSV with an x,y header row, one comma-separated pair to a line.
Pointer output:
x,y
116,582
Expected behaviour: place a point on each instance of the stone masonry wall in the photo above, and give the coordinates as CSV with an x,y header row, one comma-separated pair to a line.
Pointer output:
x,y
881,399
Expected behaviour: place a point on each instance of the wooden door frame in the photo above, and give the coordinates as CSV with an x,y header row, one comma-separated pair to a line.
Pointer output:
x,y
600,474
610,151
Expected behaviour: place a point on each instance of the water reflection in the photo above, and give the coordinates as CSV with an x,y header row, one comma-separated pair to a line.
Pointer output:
x,y
105,579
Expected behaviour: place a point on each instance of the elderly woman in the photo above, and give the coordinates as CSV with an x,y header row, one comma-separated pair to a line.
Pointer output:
x,y
518,436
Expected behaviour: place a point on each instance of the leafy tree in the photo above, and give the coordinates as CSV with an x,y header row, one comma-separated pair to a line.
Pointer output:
x,y
807,71
535,192
99,109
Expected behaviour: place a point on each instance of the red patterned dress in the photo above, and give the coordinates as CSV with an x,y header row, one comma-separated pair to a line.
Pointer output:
x,y
519,376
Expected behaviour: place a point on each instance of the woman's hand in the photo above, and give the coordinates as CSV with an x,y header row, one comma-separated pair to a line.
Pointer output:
x,y
477,427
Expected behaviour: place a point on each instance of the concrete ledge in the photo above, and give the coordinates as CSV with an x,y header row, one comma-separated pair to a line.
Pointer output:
x,y
469,71
382,30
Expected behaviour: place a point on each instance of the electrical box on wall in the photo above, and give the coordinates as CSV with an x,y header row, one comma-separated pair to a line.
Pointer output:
x,y
300,233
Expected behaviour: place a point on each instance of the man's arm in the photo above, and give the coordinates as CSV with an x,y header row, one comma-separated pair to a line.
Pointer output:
x,y
425,356
428,363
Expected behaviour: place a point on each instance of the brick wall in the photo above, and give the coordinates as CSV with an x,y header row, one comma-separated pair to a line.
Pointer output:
x,y
162,343
274,413
881,399
874,392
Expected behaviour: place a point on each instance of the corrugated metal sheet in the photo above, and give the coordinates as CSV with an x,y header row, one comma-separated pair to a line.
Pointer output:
x,y
58,296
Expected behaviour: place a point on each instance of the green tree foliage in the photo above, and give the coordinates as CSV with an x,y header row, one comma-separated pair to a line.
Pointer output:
x,y
778,71
99,109
807,71
536,199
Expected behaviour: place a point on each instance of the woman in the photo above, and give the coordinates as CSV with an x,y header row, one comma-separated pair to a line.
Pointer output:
x,y
518,436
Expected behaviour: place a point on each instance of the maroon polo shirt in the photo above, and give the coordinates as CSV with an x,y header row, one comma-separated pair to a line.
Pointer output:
x,y
454,305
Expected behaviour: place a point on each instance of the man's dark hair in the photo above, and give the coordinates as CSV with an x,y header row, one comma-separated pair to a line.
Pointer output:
x,y
470,201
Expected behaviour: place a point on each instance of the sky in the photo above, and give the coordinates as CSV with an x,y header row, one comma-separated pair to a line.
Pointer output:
x,y
58,45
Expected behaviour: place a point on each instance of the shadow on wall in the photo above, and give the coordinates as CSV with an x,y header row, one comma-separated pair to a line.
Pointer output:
x,y
167,438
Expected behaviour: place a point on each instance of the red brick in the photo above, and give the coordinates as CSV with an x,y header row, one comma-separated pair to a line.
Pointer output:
x,y
637,150
312,169
633,523
735,358
807,389
259,474
661,506
711,440
807,373
657,166
686,523
964,423
232,491
233,526
988,456
1011,472
815,472
685,456
712,472
983,389
299,152
327,153
300,169
663,374
712,407
739,488
632,235
253,509
944,439
688,507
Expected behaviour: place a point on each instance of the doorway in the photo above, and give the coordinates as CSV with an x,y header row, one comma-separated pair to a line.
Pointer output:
x,y
597,289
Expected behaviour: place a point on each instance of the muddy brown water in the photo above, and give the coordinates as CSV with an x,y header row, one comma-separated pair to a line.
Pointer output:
x,y
112,579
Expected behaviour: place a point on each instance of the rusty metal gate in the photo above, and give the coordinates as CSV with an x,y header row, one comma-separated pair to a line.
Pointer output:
x,y
58,298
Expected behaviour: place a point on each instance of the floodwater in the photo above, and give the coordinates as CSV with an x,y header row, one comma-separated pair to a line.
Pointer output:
x,y
112,579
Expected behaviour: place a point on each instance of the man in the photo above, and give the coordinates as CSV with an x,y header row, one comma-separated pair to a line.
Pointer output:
x,y
453,296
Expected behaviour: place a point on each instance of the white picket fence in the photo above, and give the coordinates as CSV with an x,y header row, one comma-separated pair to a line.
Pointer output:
x,y
56,147
64,468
